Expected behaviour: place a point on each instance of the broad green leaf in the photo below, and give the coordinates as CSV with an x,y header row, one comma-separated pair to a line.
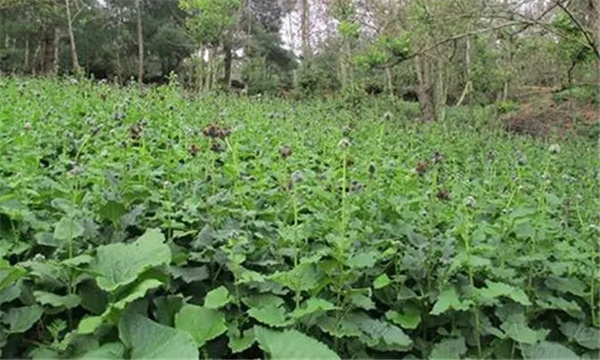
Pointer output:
x,y
21,319
263,300
496,289
374,331
516,328
43,353
107,351
521,212
381,281
449,300
407,320
137,292
312,306
167,307
524,230
112,211
548,350
363,260
272,316
149,340
67,301
558,303
567,285
9,274
189,274
120,264
453,348
362,301
343,327
93,299
303,277
217,298
88,325
249,276
50,274
291,344
67,229
11,293
202,323
47,239
239,343
78,260
588,337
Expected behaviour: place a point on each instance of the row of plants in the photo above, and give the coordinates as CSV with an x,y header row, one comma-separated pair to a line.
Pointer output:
x,y
157,225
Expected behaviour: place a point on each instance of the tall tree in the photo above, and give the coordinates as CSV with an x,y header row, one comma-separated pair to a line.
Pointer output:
x,y
70,20
140,39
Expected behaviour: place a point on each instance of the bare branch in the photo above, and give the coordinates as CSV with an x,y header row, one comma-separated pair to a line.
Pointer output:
x,y
582,29
427,49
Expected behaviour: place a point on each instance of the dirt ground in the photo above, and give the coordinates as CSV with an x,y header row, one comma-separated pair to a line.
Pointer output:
x,y
540,114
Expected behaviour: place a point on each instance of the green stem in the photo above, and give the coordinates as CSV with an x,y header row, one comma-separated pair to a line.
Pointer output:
x,y
344,174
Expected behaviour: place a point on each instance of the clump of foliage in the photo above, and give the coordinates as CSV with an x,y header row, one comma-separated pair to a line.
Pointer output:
x,y
243,227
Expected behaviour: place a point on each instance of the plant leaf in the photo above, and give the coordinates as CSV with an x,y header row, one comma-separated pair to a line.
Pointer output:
x,y
189,274
107,351
362,301
263,300
448,300
238,343
588,337
363,260
67,229
137,292
88,325
571,285
120,264
202,323
9,274
453,348
496,289
166,308
46,298
381,281
149,340
112,211
270,315
312,306
217,298
21,319
408,320
516,328
548,350
291,344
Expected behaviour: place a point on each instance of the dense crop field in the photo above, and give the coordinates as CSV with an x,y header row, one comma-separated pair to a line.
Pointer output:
x,y
160,226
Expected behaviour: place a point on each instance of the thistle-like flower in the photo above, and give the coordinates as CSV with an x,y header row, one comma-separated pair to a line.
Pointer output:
x,y
469,201
344,143
554,149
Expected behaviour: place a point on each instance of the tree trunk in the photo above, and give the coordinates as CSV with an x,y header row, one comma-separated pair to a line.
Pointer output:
x,y
140,34
305,29
26,63
469,84
343,72
390,82
424,93
76,67
228,63
55,62
570,73
439,91
36,54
